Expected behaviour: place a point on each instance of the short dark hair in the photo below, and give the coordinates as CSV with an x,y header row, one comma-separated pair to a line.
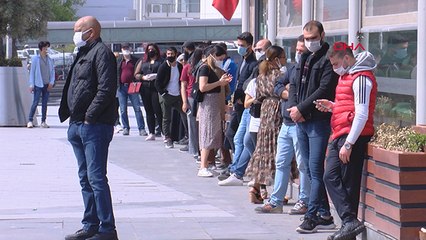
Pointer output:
x,y
246,36
313,23
173,49
43,44
340,52
223,45
301,38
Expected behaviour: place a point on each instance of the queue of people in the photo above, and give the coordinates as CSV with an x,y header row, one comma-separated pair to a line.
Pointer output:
x,y
281,113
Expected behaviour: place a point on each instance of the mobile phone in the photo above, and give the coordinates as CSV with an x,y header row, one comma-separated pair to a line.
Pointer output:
x,y
321,105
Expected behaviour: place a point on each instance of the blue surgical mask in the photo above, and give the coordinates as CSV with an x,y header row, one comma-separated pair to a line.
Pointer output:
x,y
297,57
401,53
242,50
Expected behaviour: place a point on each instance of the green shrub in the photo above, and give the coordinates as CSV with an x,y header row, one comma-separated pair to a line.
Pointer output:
x,y
12,62
396,138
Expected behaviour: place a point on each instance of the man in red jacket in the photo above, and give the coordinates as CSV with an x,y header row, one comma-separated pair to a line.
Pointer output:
x,y
352,128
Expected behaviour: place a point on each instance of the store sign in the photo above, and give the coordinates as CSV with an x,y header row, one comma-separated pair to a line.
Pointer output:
x,y
341,46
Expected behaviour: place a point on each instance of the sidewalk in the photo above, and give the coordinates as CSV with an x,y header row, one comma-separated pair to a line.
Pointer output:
x,y
156,192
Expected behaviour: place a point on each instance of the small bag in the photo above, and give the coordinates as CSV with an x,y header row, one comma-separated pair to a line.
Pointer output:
x,y
196,94
134,87
255,109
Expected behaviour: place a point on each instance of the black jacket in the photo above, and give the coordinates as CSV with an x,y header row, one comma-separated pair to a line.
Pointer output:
x,y
320,83
163,77
133,60
91,85
280,87
246,71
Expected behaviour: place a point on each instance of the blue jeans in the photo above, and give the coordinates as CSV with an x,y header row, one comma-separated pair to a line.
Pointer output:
x,y
287,148
239,168
90,143
134,99
239,135
313,138
38,91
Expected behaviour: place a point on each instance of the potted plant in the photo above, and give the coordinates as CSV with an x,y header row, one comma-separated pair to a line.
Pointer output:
x,y
393,199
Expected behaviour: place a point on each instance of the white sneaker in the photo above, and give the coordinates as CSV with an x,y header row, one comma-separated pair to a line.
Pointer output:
x,y
151,137
118,128
204,172
251,183
232,180
30,125
44,125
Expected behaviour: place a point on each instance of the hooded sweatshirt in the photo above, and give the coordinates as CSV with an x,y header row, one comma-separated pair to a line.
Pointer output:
x,y
355,100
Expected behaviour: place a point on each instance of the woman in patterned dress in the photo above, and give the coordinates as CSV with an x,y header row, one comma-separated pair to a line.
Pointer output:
x,y
211,111
262,164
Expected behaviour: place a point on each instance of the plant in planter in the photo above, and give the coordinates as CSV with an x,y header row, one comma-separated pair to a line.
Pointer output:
x,y
13,62
383,108
394,188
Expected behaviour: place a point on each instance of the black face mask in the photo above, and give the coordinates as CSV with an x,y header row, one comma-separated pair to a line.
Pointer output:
x,y
152,53
171,59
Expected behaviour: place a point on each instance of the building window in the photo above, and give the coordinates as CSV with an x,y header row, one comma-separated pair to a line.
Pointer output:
x,y
290,13
386,7
396,57
331,10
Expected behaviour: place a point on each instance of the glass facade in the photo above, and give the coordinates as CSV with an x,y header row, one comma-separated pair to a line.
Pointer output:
x,y
395,50
386,7
290,13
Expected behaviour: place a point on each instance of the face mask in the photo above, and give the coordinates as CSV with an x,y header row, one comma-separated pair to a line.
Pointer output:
x,y
401,53
171,59
125,52
242,50
313,46
341,70
283,69
259,54
279,63
297,57
152,53
78,38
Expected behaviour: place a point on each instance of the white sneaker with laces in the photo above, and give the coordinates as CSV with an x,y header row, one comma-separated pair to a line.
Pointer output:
x,y
30,125
232,180
151,137
44,125
204,172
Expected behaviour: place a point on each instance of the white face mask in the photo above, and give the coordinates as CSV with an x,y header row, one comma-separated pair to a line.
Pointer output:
x,y
297,57
219,63
283,69
313,46
341,70
78,38
125,52
259,54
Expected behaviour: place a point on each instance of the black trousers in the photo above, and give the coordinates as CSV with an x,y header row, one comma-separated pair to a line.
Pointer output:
x,y
343,181
152,107
232,127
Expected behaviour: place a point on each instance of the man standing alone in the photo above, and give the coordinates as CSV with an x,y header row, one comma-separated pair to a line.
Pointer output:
x,y
42,78
88,99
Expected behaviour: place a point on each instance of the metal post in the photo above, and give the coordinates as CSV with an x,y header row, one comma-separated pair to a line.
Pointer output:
x,y
306,11
8,43
272,20
354,22
245,16
421,61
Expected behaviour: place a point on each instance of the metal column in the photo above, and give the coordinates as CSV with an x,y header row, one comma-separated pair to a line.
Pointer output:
x,y
307,6
354,23
245,16
272,20
421,61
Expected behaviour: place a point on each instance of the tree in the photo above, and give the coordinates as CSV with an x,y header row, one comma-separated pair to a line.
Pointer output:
x,y
23,19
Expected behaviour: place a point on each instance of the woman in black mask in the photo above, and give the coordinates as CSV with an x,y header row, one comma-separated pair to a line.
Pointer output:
x,y
146,71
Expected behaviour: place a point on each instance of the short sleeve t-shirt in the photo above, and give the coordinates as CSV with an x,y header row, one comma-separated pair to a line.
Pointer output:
x,y
205,71
251,91
187,76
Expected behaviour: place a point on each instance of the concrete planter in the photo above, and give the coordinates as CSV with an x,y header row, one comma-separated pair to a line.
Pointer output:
x,y
15,99
394,193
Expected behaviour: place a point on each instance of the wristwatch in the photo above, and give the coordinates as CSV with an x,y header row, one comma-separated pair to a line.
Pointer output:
x,y
348,146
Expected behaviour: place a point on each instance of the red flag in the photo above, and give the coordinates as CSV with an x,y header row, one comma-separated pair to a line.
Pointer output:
x,y
226,7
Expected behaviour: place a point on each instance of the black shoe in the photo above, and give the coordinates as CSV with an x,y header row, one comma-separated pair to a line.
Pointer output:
x,y
224,175
105,236
326,224
332,236
184,149
81,235
350,230
183,141
309,225
169,144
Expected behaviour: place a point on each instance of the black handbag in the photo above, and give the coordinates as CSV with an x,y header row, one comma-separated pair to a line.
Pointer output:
x,y
255,109
196,94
